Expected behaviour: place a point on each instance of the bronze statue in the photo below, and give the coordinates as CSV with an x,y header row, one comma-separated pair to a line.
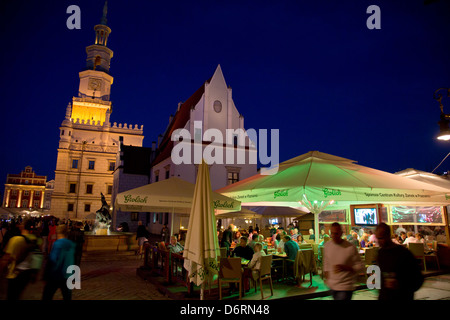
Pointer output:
x,y
103,215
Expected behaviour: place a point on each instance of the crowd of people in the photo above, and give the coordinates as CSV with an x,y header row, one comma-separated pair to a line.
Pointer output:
x,y
34,244
59,243
342,263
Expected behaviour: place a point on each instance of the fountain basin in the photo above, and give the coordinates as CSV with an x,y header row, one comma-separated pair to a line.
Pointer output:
x,y
112,241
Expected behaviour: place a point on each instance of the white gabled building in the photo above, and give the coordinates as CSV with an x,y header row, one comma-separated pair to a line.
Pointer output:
x,y
210,107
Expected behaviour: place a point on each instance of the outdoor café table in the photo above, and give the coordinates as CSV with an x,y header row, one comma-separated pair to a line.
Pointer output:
x,y
244,262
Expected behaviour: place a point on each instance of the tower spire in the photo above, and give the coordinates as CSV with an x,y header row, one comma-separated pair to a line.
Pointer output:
x,y
102,31
105,11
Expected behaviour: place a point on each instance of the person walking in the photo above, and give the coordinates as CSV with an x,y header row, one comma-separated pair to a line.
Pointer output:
x,y
77,236
400,272
51,234
18,272
227,239
341,265
62,255
44,235
141,236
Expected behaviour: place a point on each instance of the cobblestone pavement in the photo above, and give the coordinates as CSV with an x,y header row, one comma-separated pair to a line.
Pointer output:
x,y
105,280
115,278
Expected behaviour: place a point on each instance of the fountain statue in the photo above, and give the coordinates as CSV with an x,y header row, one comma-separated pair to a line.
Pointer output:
x,y
102,218
101,238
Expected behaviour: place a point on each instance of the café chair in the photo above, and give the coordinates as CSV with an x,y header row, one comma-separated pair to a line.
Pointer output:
x,y
434,254
418,250
223,252
264,273
320,261
307,264
230,272
370,258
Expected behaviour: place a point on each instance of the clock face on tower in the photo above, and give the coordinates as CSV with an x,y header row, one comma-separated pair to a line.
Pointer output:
x,y
95,84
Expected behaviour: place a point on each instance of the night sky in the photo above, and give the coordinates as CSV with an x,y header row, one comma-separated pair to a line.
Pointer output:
x,y
311,69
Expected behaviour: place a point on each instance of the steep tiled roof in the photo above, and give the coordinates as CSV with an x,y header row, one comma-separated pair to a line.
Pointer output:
x,y
178,122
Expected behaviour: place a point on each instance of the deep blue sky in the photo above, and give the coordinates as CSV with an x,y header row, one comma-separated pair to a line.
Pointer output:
x,y
309,68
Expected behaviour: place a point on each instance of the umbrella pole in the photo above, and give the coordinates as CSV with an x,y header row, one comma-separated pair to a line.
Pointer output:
x,y
316,227
202,291
171,223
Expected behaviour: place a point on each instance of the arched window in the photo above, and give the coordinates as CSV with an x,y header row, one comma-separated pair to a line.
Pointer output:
x,y
217,106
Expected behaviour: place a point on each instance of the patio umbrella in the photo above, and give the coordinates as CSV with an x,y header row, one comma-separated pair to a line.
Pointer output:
x,y
202,245
318,180
242,214
5,214
171,195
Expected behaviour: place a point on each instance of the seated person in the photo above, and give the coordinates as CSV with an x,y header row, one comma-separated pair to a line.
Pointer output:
x,y
255,263
243,250
280,245
290,247
254,240
364,241
300,239
175,246
294,234
354,240
402,237
311,235
409,238
237,237
262,241
321,244
420,239
277,242
396,239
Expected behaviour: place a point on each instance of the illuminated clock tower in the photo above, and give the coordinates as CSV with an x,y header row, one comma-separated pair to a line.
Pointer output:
x,y
88,142
93,101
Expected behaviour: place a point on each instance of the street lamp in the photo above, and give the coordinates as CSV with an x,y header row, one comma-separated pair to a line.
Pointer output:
x,y
444,123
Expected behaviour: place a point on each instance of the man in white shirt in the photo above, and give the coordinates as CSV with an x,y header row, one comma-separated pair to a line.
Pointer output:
x,y
255,263
341,265
410,238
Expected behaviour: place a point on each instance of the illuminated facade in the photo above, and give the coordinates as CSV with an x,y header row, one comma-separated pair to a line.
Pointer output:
x,y
88,141
25,190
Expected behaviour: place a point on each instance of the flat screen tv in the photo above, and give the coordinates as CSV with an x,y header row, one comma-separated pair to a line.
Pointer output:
x,y
273,221
366,216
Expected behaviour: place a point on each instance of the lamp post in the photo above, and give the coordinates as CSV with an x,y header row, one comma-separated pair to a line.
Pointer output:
x,y
444,132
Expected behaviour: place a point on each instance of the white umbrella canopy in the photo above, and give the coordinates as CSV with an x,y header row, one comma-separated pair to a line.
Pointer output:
x,y
5,214
201,248
316,180
170,195
426,177
323,177
242,214
280,212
